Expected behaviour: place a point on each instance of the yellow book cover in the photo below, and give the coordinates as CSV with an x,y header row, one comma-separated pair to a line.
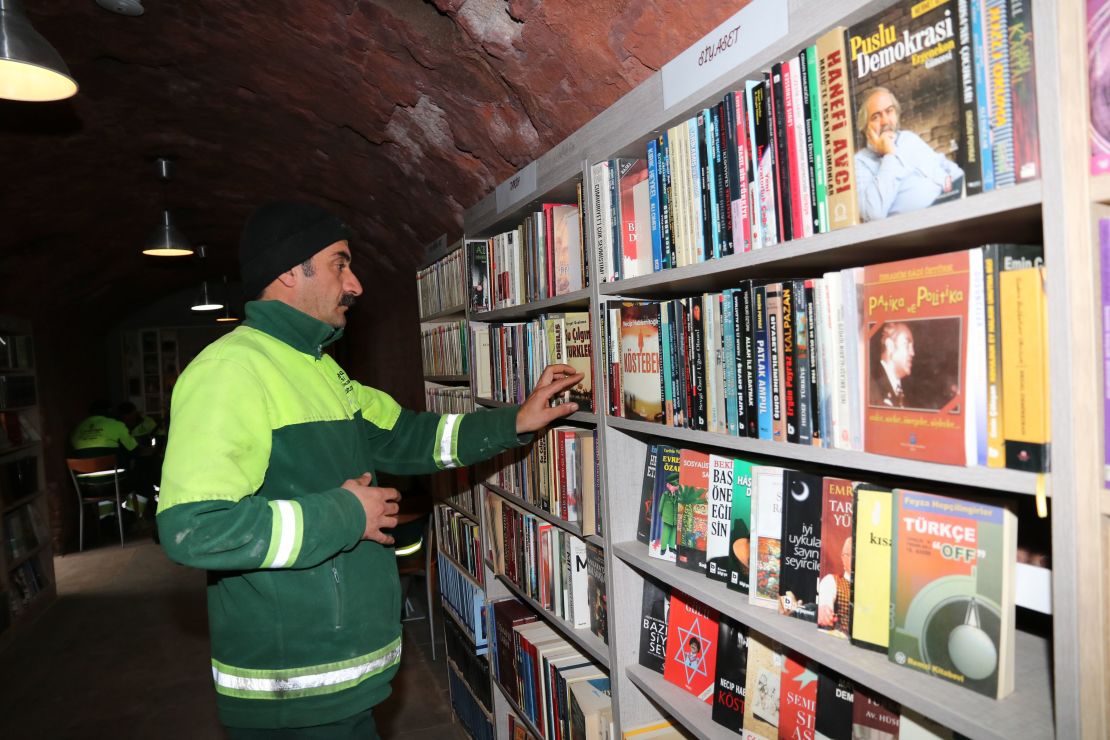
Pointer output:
x,y
873,507
1025,404
761,692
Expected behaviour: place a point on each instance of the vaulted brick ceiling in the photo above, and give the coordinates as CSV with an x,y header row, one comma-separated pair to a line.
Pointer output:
x,y
396,114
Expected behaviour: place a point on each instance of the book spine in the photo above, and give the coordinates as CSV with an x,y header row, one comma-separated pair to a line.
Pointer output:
x,y
818,411
775,356
746,345
981,63
701,247
816,143
666,205
837,129
763,364
697,334
666,391
723,189
708,170
756,215
1025,416
782,116
735,341
1023,90
727,328
768,170
996,454
617,168
736,149
970,159
599,184
787,367
803,170
803,377
1002,134
653,204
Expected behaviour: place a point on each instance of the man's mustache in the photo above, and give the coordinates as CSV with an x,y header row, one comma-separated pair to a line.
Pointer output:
x,y
348,299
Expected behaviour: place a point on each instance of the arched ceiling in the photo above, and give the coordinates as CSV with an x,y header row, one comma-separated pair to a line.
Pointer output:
x,y
396,114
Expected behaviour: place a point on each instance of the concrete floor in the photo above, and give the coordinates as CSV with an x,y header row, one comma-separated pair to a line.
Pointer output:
x,y
123,653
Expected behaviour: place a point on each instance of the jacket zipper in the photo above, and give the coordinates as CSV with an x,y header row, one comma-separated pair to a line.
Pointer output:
x,y
338,598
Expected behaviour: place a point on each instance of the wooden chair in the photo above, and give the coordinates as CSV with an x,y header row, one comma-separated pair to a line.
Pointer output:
x,y
96,479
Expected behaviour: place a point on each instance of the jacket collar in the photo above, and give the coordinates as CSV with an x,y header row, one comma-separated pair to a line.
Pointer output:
x,y
296,328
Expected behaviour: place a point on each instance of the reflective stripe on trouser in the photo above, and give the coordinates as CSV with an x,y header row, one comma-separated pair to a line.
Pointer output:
x,y
292,683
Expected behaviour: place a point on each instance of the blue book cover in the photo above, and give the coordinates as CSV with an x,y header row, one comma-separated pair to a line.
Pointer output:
x,y
728,321
762,365
665,365
982,95
653,205
1001,108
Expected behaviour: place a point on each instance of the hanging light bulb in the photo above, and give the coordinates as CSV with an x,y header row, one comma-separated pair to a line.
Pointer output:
x,y
167,240
204,303
31,70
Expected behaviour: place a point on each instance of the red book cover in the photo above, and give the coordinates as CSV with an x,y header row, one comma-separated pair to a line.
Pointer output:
x,y
548,247
916,336
874,717
797,699
834,584
789,69
691,661
693,510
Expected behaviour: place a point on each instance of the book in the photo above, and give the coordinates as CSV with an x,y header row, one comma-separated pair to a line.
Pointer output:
x,y
591,709
507,615
693,509
732,662
1098,79
834,705
596,591
920,404
565,242
634,213
953,591
797,697
905,82
647,495
801,544
873,717
766,535
579,351
1023,90
653,625
664,510
834,587
1026,425
639,361
720,517
740,531
478,261
691,647
838,128
871,556
998,82
762,688
578,589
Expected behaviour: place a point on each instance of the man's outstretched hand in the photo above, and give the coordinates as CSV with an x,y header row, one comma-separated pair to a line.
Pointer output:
x,y
535,413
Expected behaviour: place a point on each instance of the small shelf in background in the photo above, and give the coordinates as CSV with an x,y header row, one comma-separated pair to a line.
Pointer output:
x,y
468,515
1000,215
572,301
586,417
453,312
583,639
696,716
465,378
470,689
462,569
1100,188
547,516
995,479
1026,713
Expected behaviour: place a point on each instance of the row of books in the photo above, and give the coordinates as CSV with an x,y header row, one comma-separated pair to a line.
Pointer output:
x,y
441,285
464,600
554,686
468,710
560,572
541,258
896,571
443,348
509,358
833,361
460,538
474,669
757,687
914,106
26,581
557,472
23,531
448,399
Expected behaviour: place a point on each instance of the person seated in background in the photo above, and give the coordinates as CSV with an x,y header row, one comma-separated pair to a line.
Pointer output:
x,y
146,467
102,434
143,428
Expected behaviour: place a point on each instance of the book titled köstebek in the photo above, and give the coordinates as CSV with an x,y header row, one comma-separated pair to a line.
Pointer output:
x,y
953,583
639,362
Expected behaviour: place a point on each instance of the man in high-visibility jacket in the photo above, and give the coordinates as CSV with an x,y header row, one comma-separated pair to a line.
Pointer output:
x,y
101,434
269,483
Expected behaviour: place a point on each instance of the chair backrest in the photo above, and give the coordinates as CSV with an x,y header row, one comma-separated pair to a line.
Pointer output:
x,y
99,475
85,465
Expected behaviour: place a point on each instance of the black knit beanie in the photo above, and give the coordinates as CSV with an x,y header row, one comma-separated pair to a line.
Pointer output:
x,y
280,235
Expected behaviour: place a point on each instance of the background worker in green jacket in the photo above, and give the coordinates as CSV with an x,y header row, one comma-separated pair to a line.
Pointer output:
x,y
101,434
269,483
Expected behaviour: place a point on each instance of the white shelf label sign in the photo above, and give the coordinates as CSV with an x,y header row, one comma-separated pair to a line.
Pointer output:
x,y
756,26
517,188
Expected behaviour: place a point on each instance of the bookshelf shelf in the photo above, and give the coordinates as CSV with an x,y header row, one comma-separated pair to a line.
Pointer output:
x,y
547,516
993,479
468,515
470,689
585,417
585,640
1001,215
1026,713
577,299
454,312
1100,189
693,714
462,569
448,378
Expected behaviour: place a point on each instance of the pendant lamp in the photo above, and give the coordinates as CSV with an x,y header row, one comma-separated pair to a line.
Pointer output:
x,y
31,70
167,240
204,303
228,317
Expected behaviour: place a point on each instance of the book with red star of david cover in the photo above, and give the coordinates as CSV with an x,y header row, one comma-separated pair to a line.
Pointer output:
x,y
691,661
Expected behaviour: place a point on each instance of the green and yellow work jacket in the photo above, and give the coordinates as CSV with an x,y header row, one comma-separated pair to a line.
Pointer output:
x,y
304,615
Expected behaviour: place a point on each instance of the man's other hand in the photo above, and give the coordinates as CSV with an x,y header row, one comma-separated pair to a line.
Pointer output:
x,y
380,505
536,413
